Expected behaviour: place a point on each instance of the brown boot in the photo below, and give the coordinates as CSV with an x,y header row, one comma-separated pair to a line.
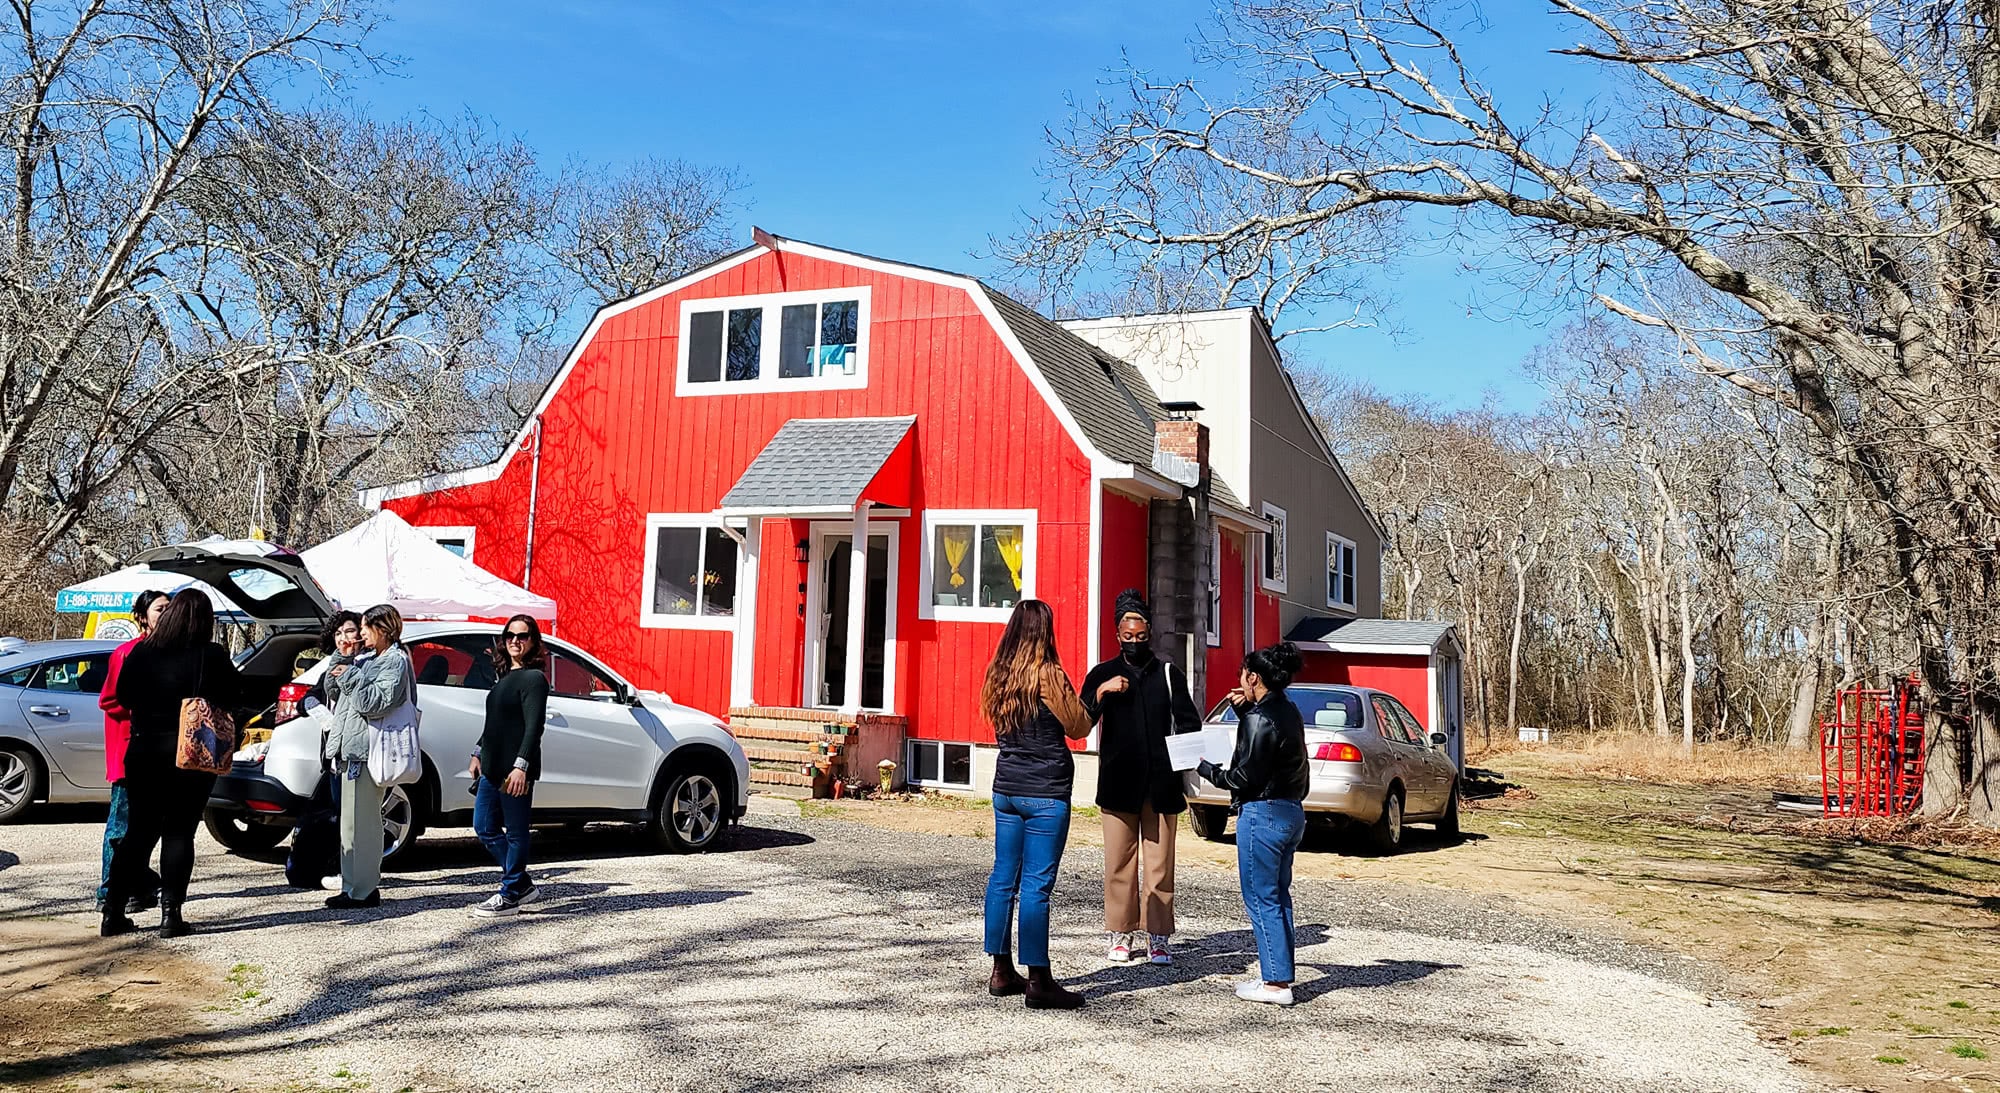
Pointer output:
x,y
1044,993
1005,980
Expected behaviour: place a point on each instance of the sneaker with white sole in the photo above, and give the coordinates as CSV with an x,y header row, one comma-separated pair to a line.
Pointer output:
x,y
1120,949
531,895
1258,991
330,884
497,906
1157,949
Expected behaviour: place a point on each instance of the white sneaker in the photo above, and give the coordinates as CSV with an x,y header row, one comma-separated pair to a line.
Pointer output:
x,y
1120,951
329,884
531,895
1257,991
496,906
1157,950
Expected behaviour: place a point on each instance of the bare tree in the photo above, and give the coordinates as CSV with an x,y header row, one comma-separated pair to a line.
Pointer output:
x,y
1806,196
110,112
619,233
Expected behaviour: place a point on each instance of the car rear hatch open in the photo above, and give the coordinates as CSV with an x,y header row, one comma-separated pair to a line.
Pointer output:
x,y
266,582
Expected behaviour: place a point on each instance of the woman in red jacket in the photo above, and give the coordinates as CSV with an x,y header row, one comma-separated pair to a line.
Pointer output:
x,y
146,609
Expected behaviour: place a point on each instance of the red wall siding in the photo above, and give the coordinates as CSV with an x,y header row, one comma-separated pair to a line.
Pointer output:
x,y
1122,564
618,444
1225,660
1407,676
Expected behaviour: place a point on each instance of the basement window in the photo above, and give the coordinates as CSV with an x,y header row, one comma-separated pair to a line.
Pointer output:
x,y
938,763
780,342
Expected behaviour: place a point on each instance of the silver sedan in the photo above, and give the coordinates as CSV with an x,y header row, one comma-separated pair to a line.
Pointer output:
x,y
1372,765
51,731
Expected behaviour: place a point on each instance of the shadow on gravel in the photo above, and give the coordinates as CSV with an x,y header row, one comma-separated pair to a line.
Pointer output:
x,y
1233,953
558,899
9,858
458,847
39,815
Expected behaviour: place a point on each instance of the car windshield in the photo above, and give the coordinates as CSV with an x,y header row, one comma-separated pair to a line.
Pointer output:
x,y
1319,707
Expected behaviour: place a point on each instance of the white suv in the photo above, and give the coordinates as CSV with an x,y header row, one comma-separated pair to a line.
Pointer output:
x,y
609,752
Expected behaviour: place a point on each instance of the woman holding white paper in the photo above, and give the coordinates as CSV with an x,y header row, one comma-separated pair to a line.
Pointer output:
x,y
1139,700
1267,778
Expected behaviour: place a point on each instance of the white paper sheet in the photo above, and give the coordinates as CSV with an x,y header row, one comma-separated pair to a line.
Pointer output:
x,y
1186,750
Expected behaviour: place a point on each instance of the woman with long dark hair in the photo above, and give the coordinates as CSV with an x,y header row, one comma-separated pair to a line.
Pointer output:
x,y
1034,711
509,760
1267,778
177,660
147,608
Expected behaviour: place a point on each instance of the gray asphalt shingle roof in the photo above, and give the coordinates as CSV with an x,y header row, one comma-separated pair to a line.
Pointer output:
x,y
1369,631
818,463
1109,398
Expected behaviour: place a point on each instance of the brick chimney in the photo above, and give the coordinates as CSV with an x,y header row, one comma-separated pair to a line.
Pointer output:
x,y
1180,569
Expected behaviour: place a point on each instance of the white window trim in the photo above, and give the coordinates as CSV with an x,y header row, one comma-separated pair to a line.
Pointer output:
x,y
1214,588
1281,580
767,379
1333,543
927,608
909,776
653,620
467,533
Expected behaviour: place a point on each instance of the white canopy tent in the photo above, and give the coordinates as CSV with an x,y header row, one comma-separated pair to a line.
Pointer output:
x,y
385,560
114,592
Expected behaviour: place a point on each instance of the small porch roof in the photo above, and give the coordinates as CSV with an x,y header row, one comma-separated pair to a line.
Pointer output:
x,y
826,467
1323,634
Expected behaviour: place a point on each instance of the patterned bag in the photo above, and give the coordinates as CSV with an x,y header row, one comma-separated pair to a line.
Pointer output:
x,y
208,734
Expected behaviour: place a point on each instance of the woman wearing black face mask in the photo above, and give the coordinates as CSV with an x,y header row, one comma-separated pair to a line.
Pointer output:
x,y
1138,700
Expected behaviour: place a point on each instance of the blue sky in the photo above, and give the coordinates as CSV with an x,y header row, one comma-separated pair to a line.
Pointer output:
x,y
904,129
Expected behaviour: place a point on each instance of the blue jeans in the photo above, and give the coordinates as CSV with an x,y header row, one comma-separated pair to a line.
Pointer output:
x,y
501,821
115,823
1267,836
1028,838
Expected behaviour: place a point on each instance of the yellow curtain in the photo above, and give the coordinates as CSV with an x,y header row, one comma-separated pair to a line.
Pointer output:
x,y
957,541
1009,542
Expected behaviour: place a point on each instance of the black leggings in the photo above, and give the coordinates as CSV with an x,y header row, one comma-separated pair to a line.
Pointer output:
x,y
166,803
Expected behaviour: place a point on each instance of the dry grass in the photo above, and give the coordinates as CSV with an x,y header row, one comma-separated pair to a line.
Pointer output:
x,y
1651,759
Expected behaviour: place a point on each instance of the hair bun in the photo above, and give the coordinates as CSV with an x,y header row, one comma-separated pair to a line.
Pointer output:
x,y
1285,657
1131,602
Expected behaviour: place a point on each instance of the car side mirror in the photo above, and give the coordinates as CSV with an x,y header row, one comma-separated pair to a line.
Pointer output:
x,y
1440,739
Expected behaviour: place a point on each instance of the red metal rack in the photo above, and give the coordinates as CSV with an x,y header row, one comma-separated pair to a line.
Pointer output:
x,y
1871,754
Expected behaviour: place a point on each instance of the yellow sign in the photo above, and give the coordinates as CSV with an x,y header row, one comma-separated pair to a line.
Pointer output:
x,y
110,626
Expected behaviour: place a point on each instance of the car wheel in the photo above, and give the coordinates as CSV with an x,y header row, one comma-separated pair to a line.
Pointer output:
x,y
399,822
19,779
1209,821
243,836
1385,835
689,816
1447,824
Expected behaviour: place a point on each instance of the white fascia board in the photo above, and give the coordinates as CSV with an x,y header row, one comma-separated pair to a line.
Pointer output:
x,y
1343,647
1135,481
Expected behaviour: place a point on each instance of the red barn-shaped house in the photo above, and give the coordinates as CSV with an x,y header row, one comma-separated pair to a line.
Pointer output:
x,y
691,485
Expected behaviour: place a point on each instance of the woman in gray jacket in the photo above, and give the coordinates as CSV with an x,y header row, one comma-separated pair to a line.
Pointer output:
x,y
374,686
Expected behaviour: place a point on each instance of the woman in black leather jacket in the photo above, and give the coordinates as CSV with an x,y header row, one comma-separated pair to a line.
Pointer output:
x,y
1266,779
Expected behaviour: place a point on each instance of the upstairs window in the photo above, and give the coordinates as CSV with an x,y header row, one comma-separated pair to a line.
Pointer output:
x,y
787,341
1273,577
1339,572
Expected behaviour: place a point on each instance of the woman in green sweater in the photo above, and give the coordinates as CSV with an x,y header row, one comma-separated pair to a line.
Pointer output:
x,y
509,760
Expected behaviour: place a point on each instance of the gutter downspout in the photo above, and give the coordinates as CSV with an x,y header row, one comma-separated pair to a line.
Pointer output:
x,y
534,487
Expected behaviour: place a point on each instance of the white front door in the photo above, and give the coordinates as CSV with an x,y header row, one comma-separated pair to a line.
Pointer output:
x,y
826,619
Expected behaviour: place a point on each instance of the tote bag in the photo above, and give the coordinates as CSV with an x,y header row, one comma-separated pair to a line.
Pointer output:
x,y
208,735
395,754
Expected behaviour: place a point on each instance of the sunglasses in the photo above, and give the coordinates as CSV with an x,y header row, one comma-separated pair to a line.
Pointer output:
x,y
517,635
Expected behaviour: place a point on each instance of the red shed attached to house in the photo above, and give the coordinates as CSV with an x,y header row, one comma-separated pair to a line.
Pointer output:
x,y
692,484
1418,662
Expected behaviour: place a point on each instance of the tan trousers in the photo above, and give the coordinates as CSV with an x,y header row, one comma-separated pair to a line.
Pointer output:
x,y
1124,832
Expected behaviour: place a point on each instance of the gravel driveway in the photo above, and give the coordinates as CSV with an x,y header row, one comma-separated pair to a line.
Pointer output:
x,y
835,955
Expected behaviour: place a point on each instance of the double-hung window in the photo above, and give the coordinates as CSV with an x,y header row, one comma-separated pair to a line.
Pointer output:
x,y
690,576
1339,572
1273,577
1214,634
977,565
780,342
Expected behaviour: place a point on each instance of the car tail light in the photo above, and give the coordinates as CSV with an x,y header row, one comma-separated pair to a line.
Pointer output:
x,y
289,697
265,806
1338,752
